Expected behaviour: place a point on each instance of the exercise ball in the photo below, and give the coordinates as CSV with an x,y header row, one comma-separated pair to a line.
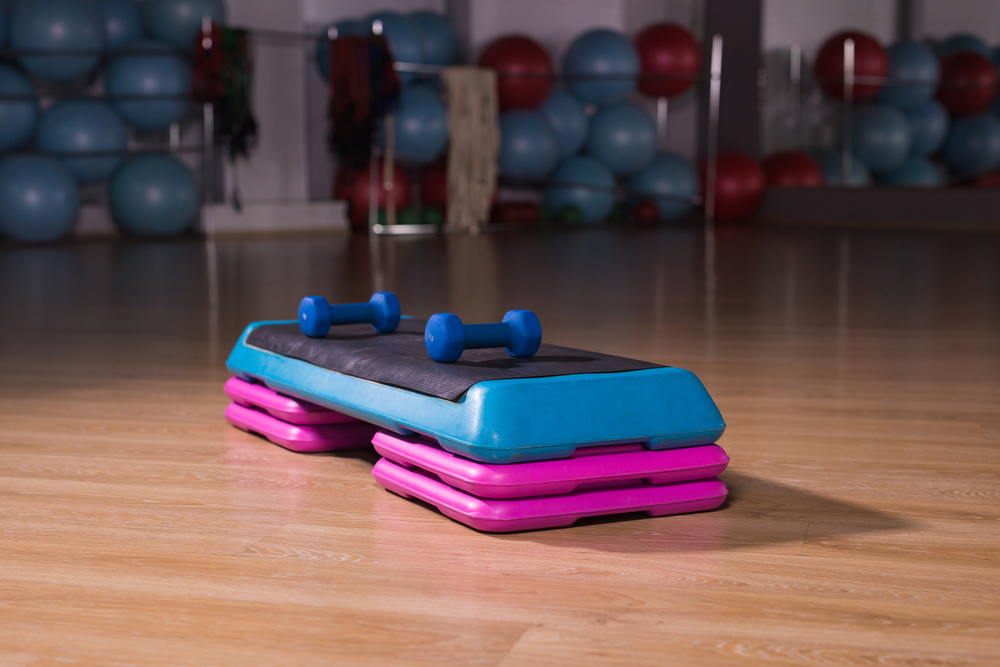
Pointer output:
x,y
915,172
961,42
669,58
38,198
529,147
57,25
582,183
403,37
179,22
150,69
739,185
968,83
623,137
83,126
17,116
434,186
928,128
421,126
913,75
792,169
601,66
524,71
567,117
3,24
671,181
438,37
154,195
361,193
122,23
870,62
832,164
345,28
973,145
880,136
343,182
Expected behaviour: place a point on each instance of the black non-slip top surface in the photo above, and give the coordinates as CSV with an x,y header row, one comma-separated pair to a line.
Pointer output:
x,y
400,359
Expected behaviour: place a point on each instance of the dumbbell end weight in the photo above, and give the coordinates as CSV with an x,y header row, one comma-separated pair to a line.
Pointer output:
x,y
526,333
444,337
386,311
314,316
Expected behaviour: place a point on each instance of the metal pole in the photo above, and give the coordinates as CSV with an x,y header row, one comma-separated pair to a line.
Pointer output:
x,y
848,103
208,125
795,94
373,192
175,137
661,122
388,171
714,93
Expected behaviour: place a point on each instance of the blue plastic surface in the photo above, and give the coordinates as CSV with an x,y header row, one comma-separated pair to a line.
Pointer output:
x,y
507,421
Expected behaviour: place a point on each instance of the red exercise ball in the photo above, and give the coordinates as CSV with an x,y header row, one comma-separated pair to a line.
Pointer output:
x,y
360,193
646,212
524,71
968,83
870,62
739,186
792,169
434,186
667,50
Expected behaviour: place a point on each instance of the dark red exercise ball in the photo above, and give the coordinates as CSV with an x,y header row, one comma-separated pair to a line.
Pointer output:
x,y
343,184
968,83
434,186
360,193
670,59
989,180
645,211
792,169
871,65
524,71
739,186
517,213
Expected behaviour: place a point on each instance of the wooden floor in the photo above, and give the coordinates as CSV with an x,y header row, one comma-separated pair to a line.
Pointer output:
x,y
859,374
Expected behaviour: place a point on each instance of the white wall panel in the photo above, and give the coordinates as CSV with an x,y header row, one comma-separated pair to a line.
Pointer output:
x,y
942,18
809,22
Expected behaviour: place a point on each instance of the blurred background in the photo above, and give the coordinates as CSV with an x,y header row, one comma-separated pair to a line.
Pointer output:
x,y
153,118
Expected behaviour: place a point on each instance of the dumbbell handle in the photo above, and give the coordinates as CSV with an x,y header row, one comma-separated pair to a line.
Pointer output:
x,y
494,334
349,313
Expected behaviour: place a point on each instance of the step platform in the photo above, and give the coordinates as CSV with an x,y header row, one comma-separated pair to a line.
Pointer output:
x,y
517,514
304,438
487,406
586,468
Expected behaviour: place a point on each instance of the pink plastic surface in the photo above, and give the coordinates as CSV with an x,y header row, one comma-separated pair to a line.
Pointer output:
x,y
301,438
501,516
285,408
591,465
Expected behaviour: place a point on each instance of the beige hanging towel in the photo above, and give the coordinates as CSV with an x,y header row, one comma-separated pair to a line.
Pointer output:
x,y
473,112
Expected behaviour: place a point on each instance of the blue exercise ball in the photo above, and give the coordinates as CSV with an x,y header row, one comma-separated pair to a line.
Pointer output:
x,y
832,164
601,53
344,28
529,147
17,116
438,36
179,22
880,136
915,172
122,23
57,25
83,126
928,128
421,126
623,137
38,198
566,116
403,36
670,180
913,75
973,145
962,42
585,183
150,69
154,195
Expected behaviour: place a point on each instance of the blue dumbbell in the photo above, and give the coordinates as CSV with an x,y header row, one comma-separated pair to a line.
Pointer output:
x,y
446,337
316,315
